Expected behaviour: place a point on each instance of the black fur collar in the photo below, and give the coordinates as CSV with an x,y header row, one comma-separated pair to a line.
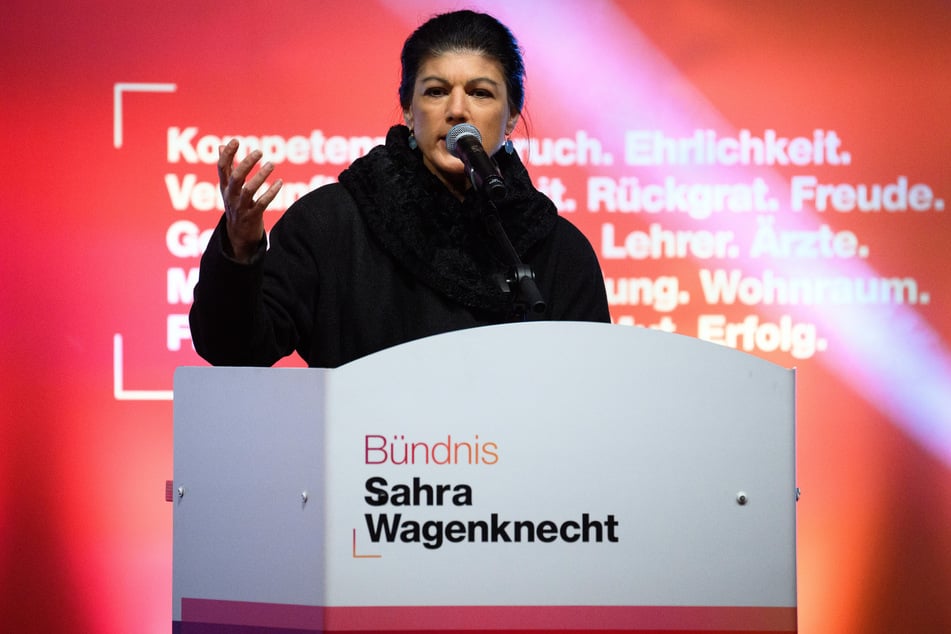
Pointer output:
x,y
441,240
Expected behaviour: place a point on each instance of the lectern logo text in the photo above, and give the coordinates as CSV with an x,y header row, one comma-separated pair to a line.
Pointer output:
x,y
396,505
398,450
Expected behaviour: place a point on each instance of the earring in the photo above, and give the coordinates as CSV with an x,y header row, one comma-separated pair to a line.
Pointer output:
x,y
412,141
509,148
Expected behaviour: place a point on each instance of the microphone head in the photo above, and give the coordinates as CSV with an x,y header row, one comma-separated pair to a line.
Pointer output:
x,y
458,131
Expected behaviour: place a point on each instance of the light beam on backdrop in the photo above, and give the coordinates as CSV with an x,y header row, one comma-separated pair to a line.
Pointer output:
x,y
614,80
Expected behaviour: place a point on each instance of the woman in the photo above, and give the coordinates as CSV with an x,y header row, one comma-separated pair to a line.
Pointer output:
x,y
398,249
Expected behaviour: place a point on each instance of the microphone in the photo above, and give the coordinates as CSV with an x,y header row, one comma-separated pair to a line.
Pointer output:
x,y
465,143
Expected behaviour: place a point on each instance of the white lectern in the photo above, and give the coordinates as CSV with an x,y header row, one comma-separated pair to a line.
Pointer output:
x,y
569,477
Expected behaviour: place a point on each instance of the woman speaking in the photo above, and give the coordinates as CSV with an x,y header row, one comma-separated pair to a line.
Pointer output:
x,y
415,239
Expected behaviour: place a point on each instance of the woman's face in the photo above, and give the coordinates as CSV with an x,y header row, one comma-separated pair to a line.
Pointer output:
x,y
454,88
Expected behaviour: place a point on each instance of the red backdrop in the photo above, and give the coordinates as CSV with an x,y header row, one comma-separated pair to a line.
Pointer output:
x,y
822,127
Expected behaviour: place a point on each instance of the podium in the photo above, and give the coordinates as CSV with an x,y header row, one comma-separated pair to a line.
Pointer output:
x,y
534,477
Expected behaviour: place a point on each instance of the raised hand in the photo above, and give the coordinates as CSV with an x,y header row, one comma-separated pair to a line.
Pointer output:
x,y
244,216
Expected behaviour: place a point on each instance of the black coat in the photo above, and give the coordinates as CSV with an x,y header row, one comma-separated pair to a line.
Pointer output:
x,y
386,256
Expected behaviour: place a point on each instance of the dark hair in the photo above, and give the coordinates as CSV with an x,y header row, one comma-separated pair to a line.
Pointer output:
x,y
464,31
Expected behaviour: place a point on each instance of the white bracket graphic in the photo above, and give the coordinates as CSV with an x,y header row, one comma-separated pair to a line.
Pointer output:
x,y
119,392
122,394
117,91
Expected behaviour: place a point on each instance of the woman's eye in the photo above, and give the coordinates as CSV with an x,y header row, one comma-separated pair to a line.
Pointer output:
x,y
435,91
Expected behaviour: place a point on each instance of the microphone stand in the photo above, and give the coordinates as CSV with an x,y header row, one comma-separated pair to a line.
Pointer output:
x,y
520,279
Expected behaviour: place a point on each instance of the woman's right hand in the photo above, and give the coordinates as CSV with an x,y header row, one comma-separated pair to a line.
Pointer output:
x,y
244,216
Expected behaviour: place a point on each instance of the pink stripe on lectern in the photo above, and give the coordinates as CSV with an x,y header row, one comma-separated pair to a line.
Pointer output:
x,y
299,617
693,619
577,618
